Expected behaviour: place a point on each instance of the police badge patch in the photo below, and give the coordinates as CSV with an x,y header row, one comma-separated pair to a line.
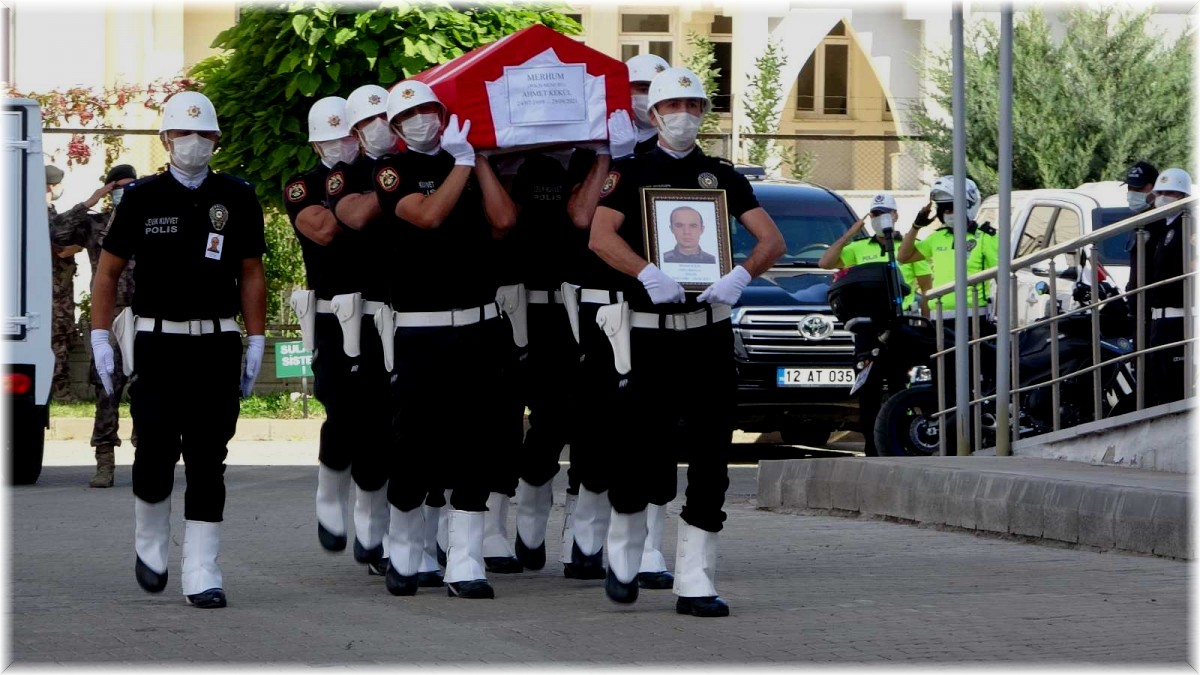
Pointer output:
x,y
334,183
296,191
610,183
218,215
707,180
388,179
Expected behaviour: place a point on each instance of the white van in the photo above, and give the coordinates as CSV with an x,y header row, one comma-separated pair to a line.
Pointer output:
x,y
28,359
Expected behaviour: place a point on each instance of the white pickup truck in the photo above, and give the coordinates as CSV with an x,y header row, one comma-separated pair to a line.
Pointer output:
x,y
29,360
1044,218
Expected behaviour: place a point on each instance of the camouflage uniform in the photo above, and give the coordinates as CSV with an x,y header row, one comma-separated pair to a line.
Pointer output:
x,y
79,225
63,316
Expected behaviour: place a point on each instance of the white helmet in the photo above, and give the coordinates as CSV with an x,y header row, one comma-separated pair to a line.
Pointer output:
x,y
1174,180
327,120
677,83
189,111
407,95
943,192
644,67
883,202
365,102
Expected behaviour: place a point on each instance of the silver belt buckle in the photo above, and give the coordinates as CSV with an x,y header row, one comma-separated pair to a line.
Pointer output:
x,y
195,326
677,322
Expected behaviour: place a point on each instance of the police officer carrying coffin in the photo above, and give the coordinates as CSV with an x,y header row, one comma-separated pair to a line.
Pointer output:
x,y
337,319
673,410
441,205
197,237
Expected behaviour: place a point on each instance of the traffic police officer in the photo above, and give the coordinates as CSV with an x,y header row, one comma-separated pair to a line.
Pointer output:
x,y
673,410
441,205
198,240
337,318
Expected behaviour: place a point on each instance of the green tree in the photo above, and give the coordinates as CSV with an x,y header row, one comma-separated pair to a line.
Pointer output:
x,y
702,61
280,58
1085,107
765,91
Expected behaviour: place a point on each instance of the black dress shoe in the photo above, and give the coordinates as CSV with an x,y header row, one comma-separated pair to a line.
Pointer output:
x,y
709,606
441,556
398,584
430,579
364,555
476,589
655,580
213,598
148,579
503,565
531,558
584,566
330,541
620,592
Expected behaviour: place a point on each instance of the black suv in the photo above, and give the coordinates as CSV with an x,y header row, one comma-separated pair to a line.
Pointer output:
x,y
795,361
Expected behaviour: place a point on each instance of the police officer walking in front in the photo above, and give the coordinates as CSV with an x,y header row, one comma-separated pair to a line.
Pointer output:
x,y
197,237
679,360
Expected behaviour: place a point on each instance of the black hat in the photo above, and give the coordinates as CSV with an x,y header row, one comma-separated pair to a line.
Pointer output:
x,y
119,172
1140,175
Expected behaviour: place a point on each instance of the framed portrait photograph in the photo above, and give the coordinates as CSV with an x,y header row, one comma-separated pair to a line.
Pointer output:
x,y
687,235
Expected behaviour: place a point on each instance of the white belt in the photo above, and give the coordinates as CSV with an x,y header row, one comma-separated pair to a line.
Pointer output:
x,y
369,307
681,321
545,297
452,317
194,327
1167,313
594,296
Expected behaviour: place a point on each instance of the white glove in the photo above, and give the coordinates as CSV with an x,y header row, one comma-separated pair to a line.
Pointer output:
x,y
102,354
727,289
254,357
454,141
621,137
662,288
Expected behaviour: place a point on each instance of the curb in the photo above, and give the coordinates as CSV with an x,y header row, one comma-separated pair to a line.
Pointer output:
x,y
248,429
1106,508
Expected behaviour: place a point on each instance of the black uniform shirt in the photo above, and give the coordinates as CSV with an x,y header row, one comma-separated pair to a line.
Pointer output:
x,y
656,169
189,244
451,266
648,145
545,245
1164,259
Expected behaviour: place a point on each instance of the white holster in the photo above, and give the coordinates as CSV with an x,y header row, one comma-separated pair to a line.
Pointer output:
x,y
616,323
348,310
514,303
385,323
123,329
304,304
570,298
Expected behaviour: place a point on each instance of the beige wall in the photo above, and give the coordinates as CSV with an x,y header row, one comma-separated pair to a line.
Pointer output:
x,y
203,23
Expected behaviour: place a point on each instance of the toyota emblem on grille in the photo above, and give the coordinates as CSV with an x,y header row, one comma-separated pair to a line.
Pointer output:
x,y
815,327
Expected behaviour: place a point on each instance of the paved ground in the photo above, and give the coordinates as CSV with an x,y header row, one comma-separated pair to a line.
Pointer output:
x,y
802,589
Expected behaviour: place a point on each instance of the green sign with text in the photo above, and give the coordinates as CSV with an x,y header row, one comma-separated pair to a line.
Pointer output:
x,y
292,360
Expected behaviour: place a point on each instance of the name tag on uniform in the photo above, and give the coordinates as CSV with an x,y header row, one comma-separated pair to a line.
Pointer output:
x,y
216,242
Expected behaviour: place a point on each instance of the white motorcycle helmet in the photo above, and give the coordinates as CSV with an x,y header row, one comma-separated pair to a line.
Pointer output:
x,y
365,102
327,120
408,95
677,83
942,192
1174,180
645,67
189,111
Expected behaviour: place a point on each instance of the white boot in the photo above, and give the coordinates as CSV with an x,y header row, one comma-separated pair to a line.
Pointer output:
x,y
626,537
202,584
498,555
371,522
568,534
696,573
533,511
429,573
333,497
652,572
589,526
465,575
406,543
151,537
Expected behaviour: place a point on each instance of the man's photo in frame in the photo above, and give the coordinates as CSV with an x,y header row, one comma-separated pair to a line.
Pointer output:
x,y
689,235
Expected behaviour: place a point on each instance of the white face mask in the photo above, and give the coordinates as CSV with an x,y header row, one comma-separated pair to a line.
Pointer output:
x,y
117,193
421,132
190,154
339,150
1162,200
56,191
678,130
378,138
882,223
641,111
1138,201
948,219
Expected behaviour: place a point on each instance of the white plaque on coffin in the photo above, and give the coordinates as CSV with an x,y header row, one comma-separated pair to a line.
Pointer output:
x,y
547,101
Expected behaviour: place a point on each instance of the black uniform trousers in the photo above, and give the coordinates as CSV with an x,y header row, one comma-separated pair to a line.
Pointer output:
x,y
446,421
510,422
599,402
184,401
1165,371
683,386
356,433
550,381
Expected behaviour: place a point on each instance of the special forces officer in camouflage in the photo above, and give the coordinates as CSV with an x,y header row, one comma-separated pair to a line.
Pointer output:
x,y
84,224
63,272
